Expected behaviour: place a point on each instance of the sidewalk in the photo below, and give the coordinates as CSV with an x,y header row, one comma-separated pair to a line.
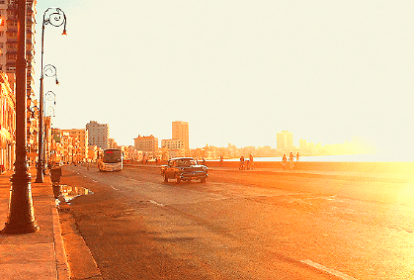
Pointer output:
x,y
40,255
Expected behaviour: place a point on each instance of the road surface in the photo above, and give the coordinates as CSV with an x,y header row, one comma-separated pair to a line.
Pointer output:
x,y
244,225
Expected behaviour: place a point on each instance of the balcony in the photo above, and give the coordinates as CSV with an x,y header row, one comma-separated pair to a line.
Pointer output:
x,y
11,40
11,29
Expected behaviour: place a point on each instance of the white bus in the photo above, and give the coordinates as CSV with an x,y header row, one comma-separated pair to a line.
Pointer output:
x,y
111,160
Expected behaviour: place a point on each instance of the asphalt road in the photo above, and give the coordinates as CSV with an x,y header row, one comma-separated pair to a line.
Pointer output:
x,y
244,225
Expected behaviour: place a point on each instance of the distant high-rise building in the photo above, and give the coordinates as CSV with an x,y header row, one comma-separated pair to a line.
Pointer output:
x,y
98,134
180,131
303,145
284,141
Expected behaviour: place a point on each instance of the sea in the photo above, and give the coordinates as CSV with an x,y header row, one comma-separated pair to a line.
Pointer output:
x,y
344,158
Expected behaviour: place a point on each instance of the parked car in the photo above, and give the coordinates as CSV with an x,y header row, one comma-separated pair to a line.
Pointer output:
x,y
184,169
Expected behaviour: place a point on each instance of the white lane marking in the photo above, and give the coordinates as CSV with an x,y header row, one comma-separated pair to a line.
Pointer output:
x,y
156,203
329,270
115,188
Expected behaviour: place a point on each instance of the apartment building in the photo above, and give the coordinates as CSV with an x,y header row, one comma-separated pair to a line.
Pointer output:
x,y
147,144
98,134
8,54
284,141
80,142
180,131
175,147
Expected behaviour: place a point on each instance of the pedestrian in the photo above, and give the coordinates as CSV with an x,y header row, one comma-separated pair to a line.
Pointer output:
x,y
251,161
88,164
241,166
291,160
284,161
297,156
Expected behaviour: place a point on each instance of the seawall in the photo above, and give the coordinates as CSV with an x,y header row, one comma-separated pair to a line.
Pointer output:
x,y
403,167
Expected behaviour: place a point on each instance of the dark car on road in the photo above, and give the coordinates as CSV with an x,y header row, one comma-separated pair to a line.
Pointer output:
x,y
184,169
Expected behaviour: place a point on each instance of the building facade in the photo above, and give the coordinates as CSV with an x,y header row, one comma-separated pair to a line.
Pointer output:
x,y
180,131
7,124
175,147
93,153
81,142
98,134
147,144
8,55
56,147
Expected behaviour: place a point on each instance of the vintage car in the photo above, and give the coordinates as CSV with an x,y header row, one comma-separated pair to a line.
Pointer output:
x,y
184,169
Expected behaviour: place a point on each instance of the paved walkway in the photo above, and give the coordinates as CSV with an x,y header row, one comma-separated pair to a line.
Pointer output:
x,y
40,255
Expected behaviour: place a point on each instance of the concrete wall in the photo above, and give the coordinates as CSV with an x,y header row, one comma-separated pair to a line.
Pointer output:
x,y
404,167
399,167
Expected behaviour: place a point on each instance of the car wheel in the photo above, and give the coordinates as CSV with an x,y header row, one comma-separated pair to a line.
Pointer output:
x,y
165,178
203,180
177,178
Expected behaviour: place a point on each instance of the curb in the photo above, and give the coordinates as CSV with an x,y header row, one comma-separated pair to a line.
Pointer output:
x,y
62,269
80,261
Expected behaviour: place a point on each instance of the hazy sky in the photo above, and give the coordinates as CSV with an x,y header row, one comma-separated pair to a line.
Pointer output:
x,y
237,71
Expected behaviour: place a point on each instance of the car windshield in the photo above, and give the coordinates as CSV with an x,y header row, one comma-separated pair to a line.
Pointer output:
x,y
186,162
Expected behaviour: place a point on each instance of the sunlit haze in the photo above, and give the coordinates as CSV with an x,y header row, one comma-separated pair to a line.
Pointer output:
x,y
237,71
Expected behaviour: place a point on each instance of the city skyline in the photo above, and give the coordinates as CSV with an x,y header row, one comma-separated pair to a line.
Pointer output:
x,y
238,73
180,138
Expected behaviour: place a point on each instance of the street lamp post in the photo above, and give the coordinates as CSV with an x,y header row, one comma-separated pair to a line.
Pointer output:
x,y
51,111
21,217
51,71
50,95
55,17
